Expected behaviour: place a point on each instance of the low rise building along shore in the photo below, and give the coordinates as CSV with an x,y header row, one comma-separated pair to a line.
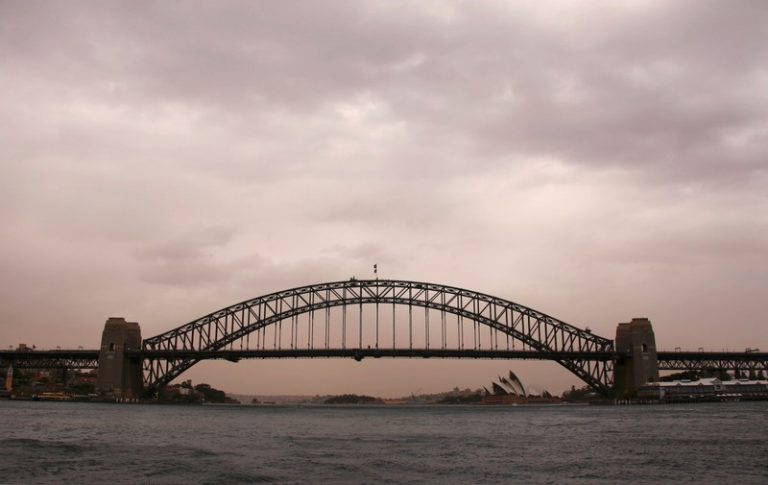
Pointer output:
x,y
710,389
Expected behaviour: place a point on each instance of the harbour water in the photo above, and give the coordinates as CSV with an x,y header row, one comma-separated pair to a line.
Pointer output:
x,y
46,442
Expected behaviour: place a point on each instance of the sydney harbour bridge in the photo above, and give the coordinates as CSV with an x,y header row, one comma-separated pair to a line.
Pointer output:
x,y
376,319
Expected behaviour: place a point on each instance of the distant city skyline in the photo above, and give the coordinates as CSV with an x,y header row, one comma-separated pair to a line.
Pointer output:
x,y
596,162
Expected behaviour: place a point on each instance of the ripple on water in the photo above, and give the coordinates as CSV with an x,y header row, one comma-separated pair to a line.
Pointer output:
x,y
57,442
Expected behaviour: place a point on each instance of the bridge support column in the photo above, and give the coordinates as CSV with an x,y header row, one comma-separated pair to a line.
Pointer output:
x,y
641,366
117,374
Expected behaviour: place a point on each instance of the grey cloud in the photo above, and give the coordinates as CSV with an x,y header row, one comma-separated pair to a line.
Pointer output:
x,y
364,254
192,245
652,88
189,259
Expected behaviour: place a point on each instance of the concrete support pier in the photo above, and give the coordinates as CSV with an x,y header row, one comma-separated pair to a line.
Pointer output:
x,y
117,374
641,367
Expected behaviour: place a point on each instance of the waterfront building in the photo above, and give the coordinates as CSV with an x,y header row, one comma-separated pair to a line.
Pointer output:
x,y
705,389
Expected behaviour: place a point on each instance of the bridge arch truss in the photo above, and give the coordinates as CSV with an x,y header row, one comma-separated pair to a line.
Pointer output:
x,y
588,356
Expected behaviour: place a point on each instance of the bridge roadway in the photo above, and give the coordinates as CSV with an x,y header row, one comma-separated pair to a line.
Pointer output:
x,y
50,359
690,360
88,359
359,354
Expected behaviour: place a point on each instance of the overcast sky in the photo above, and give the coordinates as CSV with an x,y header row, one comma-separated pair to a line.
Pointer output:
x,y
596,161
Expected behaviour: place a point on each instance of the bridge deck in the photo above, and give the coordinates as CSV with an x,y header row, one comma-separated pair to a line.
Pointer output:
x,y
677,360
93,354
45,359
688,360
372,353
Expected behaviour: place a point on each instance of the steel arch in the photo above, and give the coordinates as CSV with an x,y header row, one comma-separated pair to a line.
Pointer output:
x,y
538,331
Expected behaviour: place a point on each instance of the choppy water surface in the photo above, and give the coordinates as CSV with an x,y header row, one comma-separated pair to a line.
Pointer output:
x,y
89,443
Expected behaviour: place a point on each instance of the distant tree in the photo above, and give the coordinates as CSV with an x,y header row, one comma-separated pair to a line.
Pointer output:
x,y
461,399
580,394
686,375
210,394
353,399
721,374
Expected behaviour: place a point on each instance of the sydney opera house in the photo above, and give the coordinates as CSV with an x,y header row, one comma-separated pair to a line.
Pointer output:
x,y
510,390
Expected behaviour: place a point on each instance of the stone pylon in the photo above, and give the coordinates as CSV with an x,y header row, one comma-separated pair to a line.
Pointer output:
x,y
118,374
641,367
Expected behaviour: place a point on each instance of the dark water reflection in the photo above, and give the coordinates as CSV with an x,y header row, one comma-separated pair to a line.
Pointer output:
x,y
90,443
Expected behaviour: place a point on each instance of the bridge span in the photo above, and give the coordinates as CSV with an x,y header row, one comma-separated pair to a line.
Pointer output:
x,y
379,319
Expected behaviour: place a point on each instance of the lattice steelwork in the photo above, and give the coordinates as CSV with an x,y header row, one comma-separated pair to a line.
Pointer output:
x,y
50,359
331,319
713,360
